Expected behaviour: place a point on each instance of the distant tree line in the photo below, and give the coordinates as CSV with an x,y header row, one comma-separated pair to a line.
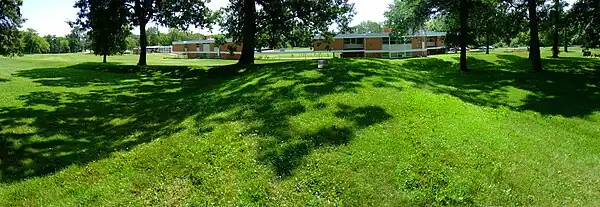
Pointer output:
x,y
33,43
78,41
110,22
155,37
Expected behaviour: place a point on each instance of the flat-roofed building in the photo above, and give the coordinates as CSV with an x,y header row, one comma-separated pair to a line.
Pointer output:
x,y
155,49
207,49
383,45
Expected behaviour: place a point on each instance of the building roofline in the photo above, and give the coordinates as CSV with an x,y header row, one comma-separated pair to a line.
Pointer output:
x,y
382,35
228,40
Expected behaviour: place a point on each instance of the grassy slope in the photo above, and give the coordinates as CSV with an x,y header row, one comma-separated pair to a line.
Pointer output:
x,y
364,132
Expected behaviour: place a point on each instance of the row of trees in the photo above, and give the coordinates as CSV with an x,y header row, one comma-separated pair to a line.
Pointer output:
x,y
78,40
33,43
471,22
273,23
110,21
155,37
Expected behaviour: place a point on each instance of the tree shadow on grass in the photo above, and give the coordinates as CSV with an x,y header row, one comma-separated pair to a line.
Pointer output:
x,y
568,86
286,152
4,80
124,106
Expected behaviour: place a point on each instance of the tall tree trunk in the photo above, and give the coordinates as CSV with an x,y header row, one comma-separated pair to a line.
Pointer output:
x,y
249,33
105,52
534,42
464,24
487,48
566,40
555,45
140,12
556,26
143,43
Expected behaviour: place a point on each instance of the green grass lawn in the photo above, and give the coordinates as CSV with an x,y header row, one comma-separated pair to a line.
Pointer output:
x,y
365,132
298,56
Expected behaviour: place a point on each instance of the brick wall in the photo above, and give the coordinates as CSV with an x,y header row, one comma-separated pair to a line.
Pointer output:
x,y
225,47
321,45
440,41
375,43
178,48
416,42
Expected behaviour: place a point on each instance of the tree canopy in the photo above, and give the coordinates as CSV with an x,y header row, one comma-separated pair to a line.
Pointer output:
x,y
409,16
274,21
107,22
470,21
367,27
170,13
10,22
586,18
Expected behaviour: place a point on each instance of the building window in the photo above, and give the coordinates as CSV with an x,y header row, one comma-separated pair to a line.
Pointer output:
x,y
197,45
402,40
354,41
386,40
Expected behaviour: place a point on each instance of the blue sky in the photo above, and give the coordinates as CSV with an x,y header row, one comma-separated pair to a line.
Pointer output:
x,y
49,16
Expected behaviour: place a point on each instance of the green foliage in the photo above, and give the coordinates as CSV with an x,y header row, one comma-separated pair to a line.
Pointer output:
x,y
170,13
585,16
10,22
64,46
33,43
132,42
409,17
279,21
107,22
368,27
220,40
76,39
404,16
155,37
521,40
